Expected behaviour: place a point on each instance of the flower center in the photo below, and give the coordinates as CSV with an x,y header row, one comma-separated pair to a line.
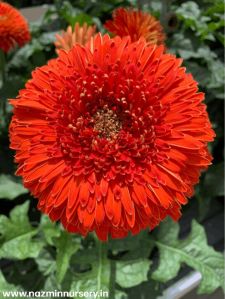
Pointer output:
x,y
107,123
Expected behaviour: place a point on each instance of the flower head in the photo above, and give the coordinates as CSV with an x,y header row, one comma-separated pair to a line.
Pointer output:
x,y
111,137
136,24
13,28
80,34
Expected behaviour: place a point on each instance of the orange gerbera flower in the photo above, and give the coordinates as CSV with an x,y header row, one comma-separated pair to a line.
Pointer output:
x,y
80,34
136,24
111,137
13,28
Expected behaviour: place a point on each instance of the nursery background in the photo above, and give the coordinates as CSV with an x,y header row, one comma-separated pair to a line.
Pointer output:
x,y
37,254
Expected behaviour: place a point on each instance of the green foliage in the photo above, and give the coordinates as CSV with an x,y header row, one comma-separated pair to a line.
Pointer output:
x,y
17,235
191,14
132,273
213,184
49,229
9,188
193,251
46,263
65,248
43,256
98,276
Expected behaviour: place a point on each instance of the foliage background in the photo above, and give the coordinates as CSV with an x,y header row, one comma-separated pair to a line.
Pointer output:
x,y
39,255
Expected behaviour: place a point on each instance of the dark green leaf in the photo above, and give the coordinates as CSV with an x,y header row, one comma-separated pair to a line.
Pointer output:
x,y
213,184
193,251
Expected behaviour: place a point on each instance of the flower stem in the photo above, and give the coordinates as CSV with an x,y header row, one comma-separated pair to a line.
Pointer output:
x,y
112,279
102,256
100,265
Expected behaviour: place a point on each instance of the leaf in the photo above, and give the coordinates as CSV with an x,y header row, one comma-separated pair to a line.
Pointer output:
x,y
150,289
16,235
20,59
193,251
46,263
98,277
47,38
189,10
193,18
66,246
51,283
50,229
132,273
9,188
217,74
220,36
138,246
68,12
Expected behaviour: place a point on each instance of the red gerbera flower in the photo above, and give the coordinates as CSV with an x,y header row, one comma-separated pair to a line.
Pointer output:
x,y
79,34
136,24
111,137
13,28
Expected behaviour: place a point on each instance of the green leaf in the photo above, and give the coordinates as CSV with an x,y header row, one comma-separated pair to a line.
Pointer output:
x,y
138,246
47,38
9,188
66,246
193,251
98,277
217,74
50,229
68,12
16,235
132,273
189,10
220,36
20,59
191,14
51,283
46,263
182,46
